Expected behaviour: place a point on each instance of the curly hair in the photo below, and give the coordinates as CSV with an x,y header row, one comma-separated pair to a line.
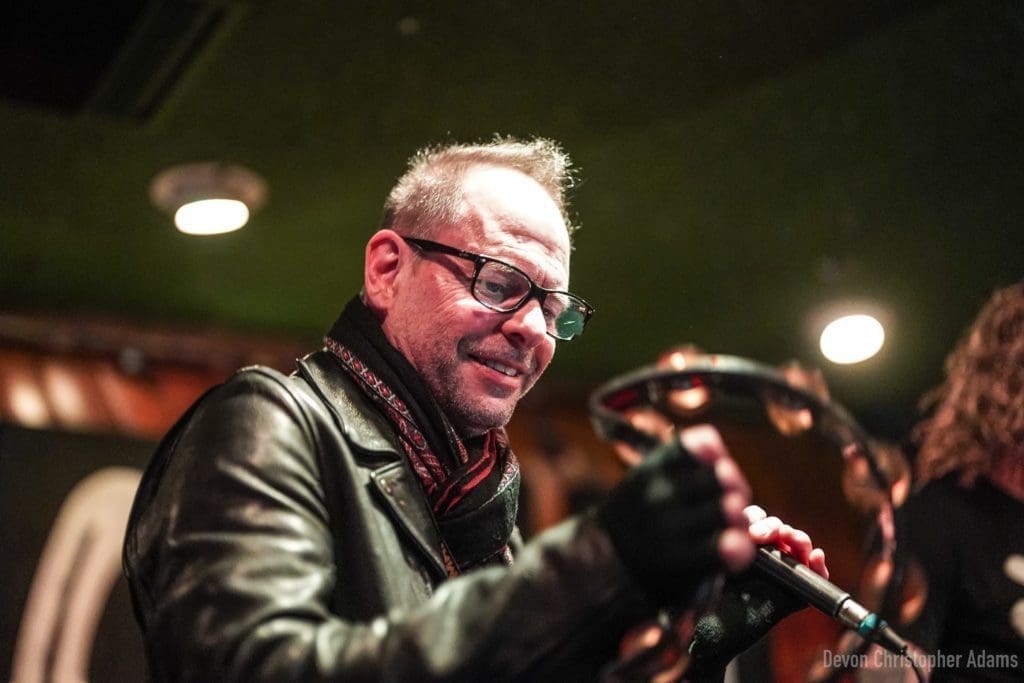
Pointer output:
x,y
429,194
978,412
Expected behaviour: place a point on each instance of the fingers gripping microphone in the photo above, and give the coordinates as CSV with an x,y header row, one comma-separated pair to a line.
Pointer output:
x,y
827,597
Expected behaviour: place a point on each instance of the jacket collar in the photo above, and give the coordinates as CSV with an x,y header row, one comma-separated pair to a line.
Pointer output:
x,y
366,429
376,447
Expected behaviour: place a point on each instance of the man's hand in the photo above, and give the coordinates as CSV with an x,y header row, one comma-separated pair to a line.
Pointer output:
x,y
735,545
765,530
677,518
751,603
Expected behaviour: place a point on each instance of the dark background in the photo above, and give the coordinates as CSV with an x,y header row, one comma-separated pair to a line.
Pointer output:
x,y
745,163
37,471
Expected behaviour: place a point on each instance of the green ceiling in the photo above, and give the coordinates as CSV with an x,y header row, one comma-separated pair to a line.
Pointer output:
x,y
743,165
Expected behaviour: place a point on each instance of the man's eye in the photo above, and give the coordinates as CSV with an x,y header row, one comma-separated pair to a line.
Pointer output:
x,y
494,288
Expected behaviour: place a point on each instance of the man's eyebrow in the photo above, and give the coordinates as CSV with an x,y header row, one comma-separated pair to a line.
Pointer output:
x,y
459,266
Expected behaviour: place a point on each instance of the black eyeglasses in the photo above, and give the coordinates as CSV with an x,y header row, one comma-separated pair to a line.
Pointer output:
x,y
504,288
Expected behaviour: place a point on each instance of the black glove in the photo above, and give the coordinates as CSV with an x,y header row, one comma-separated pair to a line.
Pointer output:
x,y
664,519
750,605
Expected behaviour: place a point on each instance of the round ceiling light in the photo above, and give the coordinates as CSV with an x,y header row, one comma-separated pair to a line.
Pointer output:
x,y
208,198
852,339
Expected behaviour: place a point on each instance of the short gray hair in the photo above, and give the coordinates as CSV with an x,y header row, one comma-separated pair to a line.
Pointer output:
x,y
428,196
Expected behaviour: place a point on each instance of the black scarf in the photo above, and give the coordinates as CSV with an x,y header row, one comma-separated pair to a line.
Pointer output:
x,y
473,491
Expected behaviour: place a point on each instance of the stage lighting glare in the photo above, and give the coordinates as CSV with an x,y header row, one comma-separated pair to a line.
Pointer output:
x,y
852,339
208,198
211,216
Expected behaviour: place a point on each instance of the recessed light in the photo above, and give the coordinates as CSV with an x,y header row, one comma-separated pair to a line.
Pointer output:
x,y
209,198
852,339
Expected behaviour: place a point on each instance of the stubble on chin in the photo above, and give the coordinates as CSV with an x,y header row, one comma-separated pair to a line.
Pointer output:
x,y
470,416
470,420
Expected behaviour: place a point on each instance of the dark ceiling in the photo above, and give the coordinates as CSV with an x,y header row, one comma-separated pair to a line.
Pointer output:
x,y
745,162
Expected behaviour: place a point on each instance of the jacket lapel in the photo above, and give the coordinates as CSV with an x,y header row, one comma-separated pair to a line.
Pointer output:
x,y
376,447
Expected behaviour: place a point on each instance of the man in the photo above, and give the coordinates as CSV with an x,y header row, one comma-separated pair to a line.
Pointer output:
x,y
355,521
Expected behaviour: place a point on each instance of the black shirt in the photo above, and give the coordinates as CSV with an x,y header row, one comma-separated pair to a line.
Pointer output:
x,y
970,545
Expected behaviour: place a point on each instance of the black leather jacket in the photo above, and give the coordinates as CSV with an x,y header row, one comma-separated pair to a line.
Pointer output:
x,y
279,534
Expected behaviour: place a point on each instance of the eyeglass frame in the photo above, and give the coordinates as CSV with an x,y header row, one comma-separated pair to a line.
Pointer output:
x,y
479,261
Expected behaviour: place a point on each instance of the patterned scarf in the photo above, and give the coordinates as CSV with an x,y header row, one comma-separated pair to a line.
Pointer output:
x,y
473,491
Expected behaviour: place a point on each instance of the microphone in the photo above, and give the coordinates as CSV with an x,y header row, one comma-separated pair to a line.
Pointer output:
x,y
828,598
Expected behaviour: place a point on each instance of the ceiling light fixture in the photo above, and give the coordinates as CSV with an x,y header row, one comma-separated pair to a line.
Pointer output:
x,y
208,198
849,331
852,339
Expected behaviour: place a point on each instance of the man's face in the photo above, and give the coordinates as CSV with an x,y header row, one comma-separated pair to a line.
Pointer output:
x,y
477,362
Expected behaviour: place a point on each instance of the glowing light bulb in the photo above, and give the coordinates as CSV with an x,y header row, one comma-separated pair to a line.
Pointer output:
x,y
211,216
852,339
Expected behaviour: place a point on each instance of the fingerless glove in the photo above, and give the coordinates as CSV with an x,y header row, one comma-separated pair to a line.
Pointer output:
x,y
664,519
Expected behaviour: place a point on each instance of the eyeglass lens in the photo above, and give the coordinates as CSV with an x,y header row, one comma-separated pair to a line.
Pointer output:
x,y
503,288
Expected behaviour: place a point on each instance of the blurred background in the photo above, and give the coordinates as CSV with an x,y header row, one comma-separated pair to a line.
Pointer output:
x,y
749,170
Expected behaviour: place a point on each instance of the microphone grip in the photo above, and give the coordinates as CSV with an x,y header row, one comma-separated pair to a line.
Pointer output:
x,y
824,595
799,578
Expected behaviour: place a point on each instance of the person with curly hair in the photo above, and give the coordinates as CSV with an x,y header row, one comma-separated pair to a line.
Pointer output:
x,y
963,596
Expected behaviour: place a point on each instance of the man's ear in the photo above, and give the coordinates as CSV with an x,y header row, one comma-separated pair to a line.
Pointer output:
x,y
380,273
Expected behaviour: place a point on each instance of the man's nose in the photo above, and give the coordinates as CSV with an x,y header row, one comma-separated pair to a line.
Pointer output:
x,y
527,326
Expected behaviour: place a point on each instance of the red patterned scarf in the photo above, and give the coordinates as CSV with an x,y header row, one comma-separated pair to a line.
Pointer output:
x,y
473,492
